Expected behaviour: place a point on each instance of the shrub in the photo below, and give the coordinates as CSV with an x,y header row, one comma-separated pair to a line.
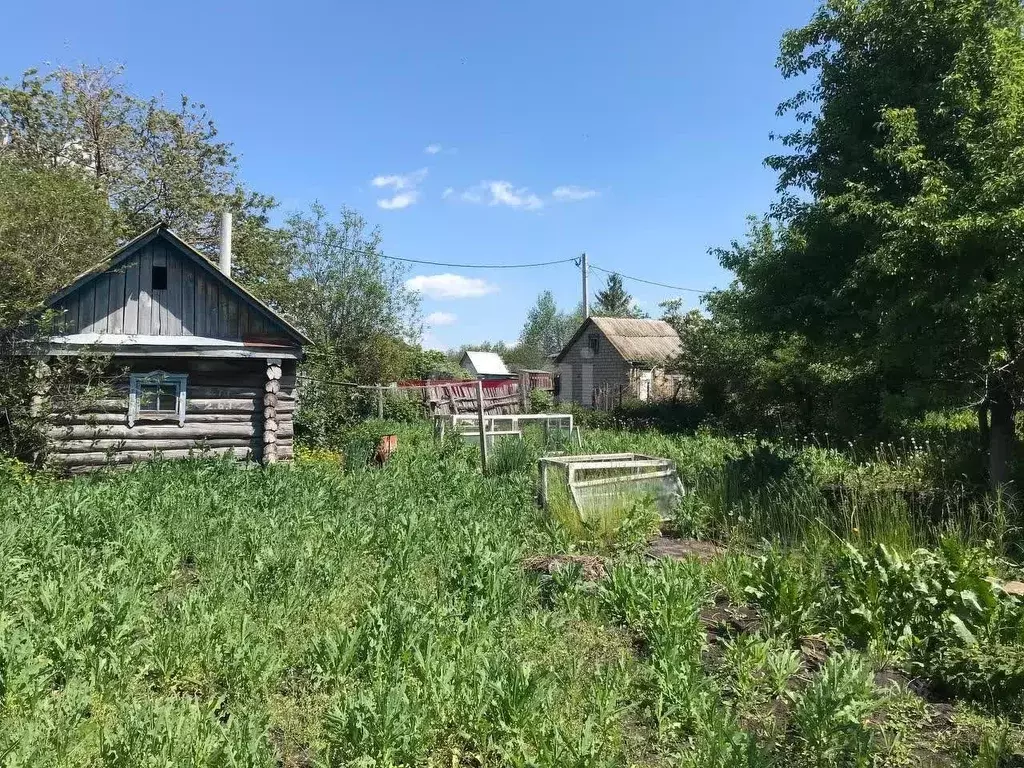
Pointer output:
x,y
401,409
990,674
359,443
915,603
541,401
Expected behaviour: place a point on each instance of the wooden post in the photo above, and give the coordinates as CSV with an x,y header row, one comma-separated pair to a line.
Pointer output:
x,y
270,390
40,384
480,416
524,391
543,466
380,401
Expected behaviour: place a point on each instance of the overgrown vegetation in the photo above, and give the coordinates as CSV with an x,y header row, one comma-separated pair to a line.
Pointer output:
x,y
886,279
337,613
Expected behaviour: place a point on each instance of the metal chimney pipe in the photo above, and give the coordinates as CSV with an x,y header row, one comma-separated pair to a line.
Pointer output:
x,y
225,243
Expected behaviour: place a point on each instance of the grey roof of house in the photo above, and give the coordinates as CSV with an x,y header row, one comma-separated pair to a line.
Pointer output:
x,y
638,340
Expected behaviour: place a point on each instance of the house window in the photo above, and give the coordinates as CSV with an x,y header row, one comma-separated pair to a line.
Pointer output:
x,y
157,396
159,278
594,342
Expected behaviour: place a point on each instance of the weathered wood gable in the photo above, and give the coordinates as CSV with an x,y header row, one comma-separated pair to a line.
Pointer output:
x,y
157,286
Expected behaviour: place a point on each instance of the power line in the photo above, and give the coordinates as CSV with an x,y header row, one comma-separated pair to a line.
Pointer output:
x,y
361,252
478,266
649,282
575,260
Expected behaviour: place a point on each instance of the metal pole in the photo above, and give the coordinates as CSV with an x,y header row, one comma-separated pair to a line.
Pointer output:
x,y
586,286
480,416
225,243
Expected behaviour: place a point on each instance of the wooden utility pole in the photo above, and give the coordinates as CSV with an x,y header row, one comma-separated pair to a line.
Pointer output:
x,y
585,266
480,417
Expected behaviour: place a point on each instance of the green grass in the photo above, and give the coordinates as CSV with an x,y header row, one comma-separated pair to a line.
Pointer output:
x,y
196,613
749,489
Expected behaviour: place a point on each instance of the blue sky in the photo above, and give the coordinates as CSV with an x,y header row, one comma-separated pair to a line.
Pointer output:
x,y
479,132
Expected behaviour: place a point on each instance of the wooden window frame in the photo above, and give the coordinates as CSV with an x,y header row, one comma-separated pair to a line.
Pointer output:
x,y
156,378
594,343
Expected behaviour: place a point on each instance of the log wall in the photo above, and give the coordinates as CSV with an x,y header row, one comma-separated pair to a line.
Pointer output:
x,y
225,413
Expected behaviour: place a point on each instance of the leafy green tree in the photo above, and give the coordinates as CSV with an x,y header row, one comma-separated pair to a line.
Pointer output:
x,y
515,356
54,225
154,162
614,301
433,363
547,329
894,250
354,306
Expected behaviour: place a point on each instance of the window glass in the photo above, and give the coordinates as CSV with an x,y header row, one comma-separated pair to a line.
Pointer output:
x,y
158,398
157,395
595,343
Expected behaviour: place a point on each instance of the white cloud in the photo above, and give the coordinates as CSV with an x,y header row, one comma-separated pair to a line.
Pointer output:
x,y
570,193
448,192
432,149
440,318
404,186
399,201
502,193
448,286
398,181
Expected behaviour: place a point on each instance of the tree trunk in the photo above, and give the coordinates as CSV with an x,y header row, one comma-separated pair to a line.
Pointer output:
x,y
982,411
1000,434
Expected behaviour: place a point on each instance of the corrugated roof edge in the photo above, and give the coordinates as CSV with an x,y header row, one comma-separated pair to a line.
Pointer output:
x,y
610,336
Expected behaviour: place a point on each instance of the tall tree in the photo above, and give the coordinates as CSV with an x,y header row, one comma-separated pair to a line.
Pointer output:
x,y
614,300
54,225
353,304
895,251
154,162
547,329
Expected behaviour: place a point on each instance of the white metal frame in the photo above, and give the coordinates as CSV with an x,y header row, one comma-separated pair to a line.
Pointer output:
x,y
156,378
443,422
642,468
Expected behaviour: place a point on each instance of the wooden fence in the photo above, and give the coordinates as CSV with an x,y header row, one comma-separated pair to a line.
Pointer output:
x,y
608,397
445,398
501,396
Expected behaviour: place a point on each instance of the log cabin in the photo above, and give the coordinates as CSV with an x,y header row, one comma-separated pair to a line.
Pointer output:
x,y
197,364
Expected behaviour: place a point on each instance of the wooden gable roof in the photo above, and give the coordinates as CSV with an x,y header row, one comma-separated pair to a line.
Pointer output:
x,y
637,340
157,287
